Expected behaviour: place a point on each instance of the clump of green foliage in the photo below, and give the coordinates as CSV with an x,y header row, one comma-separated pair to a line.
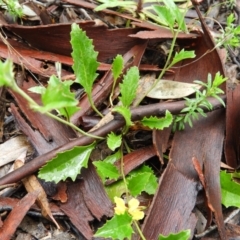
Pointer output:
x,y
58,96
230,36
13,7
194,107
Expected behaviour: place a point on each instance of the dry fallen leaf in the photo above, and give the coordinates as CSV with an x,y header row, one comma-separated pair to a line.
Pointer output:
x,y
19,144
167,89
32,184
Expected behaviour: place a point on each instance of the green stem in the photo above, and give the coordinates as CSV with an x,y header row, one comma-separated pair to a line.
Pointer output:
x,y
34,105
139,230
72,126
112,92
167,64
93,106
122,172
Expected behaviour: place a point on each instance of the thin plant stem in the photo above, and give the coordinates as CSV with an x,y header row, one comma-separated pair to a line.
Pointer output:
x,y
72,126
34,105
93,106
167,65
122,172
139,230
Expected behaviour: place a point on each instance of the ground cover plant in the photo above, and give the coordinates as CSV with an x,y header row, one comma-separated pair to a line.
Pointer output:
x,y
67,164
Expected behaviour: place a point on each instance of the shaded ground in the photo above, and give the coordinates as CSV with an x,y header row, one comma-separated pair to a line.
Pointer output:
x,y
179,159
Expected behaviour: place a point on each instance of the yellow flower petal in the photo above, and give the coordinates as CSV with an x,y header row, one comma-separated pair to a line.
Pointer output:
x,y
133,204
134,210
136,214
120,206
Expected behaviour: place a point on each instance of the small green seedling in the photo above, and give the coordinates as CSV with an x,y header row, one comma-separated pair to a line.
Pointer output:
x,y
194,106
230,35
13,7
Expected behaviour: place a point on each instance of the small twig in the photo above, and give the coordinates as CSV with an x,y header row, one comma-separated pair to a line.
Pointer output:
x,y
212,228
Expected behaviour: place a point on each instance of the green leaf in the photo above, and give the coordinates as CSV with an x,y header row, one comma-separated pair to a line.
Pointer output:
x,y
125,112
128,87
169,14
158,123
37,89
164,15
68,111
106,170
218,80
147,181
114,141
119,227
116,189
6,74
182,55
152,184
174,10
117,66
230,190
115,3
66,164
58,96
113,158
84,58
138,182
183,235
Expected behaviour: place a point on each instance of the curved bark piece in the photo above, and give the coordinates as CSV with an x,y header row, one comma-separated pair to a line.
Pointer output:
x,y
174,201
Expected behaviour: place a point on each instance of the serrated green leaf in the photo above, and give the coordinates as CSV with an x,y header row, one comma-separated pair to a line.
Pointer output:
x,y
158,123
152,183
151,186
128,87
58,96
182,55
113,158
119,227
230,190
125,112
114,141
117,66
183,235
106,170
138,182
84,58
66,164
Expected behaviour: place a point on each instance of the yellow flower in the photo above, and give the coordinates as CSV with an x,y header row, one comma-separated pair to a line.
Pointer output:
x,y
120,206
134,210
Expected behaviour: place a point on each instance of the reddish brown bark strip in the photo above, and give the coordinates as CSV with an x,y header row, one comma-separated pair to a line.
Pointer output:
x,y
205,142
76,209
232,142
95,197
171,208
16,215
